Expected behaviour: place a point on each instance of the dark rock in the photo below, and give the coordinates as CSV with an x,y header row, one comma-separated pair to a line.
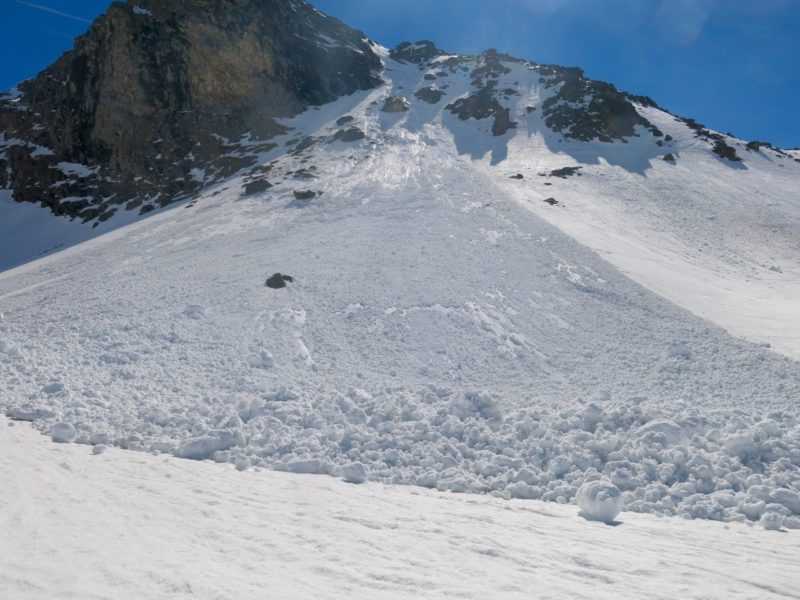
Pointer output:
x,y
418,53
518,176
585,110
344,120
430,77
353,134
306,195
141,100
256,187
756,146
667,138
565,172
725,151
394,104
551,201
278,281
482,105
429,94
530,109
669,158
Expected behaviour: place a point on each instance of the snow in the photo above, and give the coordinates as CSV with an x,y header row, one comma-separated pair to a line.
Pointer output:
x,y
442,330
130,525
632,348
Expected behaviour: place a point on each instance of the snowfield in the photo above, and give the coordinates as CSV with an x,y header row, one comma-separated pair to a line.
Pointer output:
x,y
131,525
439,330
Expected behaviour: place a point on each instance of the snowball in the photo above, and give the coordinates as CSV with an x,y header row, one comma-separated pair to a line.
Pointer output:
x,y
99,449
599,501
63,433
354,473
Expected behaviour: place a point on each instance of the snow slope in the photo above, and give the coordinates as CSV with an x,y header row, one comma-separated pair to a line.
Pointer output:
x,y
437,333
127,525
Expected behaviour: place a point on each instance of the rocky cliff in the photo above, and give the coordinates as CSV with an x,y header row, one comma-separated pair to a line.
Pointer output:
x,y
162,96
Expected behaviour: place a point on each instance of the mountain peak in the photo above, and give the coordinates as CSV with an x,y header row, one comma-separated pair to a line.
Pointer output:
x,y
155,90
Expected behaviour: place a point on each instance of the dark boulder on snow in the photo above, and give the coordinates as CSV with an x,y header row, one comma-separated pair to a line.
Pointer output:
x,y
725,151
394,104
278,281
306,195
353,134
669,157
256,187
429,94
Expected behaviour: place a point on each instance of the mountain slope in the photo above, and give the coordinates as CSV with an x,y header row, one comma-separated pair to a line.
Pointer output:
x,y
436,332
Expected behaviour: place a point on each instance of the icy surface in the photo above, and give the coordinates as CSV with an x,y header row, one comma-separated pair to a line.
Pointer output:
x,y
442,329
127,525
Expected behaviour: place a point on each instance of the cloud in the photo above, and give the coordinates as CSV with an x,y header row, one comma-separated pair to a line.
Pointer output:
x,y
51,10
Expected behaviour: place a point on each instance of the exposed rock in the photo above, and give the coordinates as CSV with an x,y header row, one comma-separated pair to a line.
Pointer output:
x,y
725,151
669,157
429,94
278,281
418,53
143,99
585,110
352,134
344,120
394,104
551,201
518,176
482,105
565,172
256,187
306,195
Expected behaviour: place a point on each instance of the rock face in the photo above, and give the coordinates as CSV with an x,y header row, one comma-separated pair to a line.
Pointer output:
x,y
156,98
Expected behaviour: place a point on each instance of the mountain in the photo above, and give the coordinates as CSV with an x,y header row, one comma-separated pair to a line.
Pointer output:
x,y
159,97
472,273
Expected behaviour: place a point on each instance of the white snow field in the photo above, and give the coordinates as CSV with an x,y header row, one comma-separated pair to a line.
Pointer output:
x,y
131,525
438,331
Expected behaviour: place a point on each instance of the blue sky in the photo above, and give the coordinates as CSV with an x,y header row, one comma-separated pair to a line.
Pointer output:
x,y
731,64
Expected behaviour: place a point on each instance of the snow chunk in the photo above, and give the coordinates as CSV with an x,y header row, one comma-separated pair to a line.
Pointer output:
x,y
354,473
201,448
63,433
599,501
773,517
475,404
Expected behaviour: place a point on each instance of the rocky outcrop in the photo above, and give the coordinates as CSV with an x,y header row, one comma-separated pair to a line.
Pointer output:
x,y
585,110
157,97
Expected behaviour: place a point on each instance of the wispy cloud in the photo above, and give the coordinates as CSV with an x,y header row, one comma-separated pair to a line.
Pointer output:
x,y
51,11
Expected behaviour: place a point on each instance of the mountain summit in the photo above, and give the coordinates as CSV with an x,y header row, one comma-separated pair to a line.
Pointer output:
x,y
161,96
